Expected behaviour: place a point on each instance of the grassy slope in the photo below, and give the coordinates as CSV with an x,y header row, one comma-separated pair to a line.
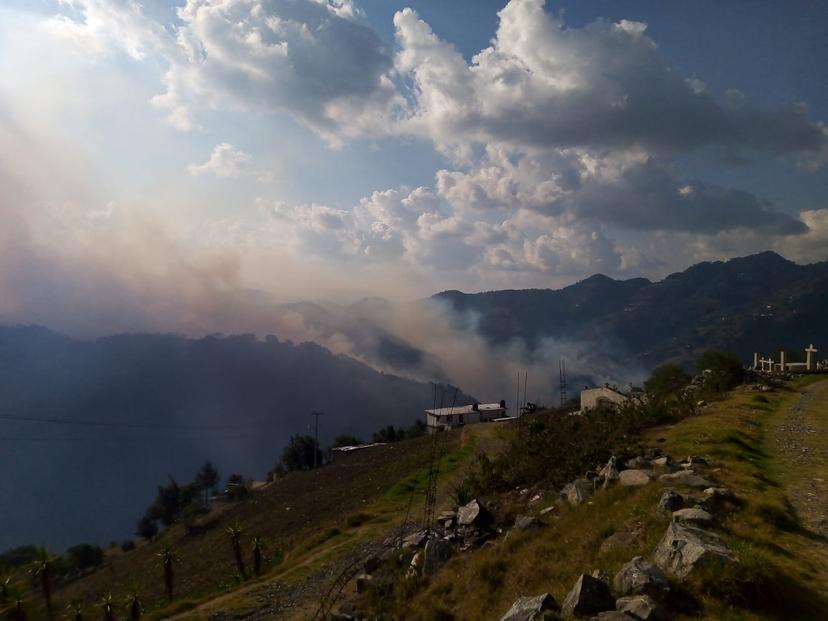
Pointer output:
x,y
782,574
314,518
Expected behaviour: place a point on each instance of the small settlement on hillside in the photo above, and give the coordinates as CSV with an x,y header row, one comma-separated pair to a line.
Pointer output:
x,y
440,419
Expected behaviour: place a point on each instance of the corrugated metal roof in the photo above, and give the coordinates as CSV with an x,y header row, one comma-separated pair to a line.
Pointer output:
x,y
467,409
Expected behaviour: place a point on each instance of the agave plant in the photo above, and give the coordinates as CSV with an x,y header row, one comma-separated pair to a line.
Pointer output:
x,y
108,608
75,610
258,555
134,604
234,531
168,561
15,594
42,568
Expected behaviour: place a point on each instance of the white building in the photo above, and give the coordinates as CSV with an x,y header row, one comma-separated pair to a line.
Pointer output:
x,y
604,396
446,418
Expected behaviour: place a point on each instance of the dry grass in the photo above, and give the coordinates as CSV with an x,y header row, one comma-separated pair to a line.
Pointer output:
x,y
782,569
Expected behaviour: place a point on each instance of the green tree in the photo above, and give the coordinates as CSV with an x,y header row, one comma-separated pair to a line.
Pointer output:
x,y
234,532
723,370
389,434
666,380
19,556
299,452
207,479
236,486
147,528
43,570
84,556
346,440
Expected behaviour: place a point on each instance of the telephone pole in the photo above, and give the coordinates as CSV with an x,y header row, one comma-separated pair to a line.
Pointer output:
x,y
562,371
316,416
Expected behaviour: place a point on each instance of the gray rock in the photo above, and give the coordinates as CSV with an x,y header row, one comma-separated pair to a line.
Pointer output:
x,y
446,515
548,509
530,608
577,492
473,513
527,522
634,478
414,540
588,596
670,501
683,548
642,607
636,463
641,577
687,478
719,493
435,555
699,516
662,462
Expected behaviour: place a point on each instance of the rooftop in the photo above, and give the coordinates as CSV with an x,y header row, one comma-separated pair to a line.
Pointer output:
x,y
467,409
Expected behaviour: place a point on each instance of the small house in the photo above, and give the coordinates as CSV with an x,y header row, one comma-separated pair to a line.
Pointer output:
x,y
440,419
605,396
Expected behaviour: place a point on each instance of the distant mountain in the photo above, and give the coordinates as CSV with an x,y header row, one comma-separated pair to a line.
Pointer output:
x,y
88,428
760,302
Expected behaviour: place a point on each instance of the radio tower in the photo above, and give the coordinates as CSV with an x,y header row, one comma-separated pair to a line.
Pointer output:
x,y
562,372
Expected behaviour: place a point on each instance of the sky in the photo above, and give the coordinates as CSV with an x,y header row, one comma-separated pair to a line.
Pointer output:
x,y
182,165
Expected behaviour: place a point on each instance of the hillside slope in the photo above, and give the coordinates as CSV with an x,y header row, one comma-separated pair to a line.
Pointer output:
x,y
89,428
769,448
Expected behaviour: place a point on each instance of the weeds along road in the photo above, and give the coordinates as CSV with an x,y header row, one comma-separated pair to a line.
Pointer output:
x,y
798,442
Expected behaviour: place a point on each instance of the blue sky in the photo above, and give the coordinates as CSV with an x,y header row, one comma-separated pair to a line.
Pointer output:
x,y
163,160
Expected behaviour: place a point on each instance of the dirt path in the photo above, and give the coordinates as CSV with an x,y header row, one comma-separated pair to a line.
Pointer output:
x,y
799,446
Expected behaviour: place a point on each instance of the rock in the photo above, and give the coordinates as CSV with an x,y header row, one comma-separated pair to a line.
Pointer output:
x,y
435,555
653,453
371,564
599,574
446,515
620,539
636,463
683,548
363,581
577,492
671,501
719,493
641,577
634,478
527,522
686,477
530,608
473,513
701,403
612,615
642,607
414,540
548,509
535,498
662,462
416,564
588,596
693,460
699,516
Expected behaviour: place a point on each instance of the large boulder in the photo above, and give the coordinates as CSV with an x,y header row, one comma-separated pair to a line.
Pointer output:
x,y
641,577
531,608
687,478
435,555
588,596
414,540
693,515
634,478
577,492
683,548
473,513
642,607
670,501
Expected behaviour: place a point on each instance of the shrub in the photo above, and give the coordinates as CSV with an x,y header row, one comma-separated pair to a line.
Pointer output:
x,y
666,380
723,370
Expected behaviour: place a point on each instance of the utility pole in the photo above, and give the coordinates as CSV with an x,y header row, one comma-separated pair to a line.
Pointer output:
x,y
562,371
316,416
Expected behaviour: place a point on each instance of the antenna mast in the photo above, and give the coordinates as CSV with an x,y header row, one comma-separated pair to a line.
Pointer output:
x,y
562,373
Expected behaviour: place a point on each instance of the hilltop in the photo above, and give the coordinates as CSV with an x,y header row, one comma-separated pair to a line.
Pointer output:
x,y
732,305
